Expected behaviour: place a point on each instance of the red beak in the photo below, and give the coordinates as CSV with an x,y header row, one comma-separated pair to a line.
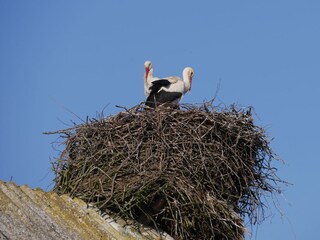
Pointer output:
x,y
147,72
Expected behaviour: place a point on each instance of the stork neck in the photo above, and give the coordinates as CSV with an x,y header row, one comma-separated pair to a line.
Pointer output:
x,y
145,77
187,84
150,75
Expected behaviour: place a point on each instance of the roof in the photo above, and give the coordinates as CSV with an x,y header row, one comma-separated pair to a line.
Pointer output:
x,y
35,214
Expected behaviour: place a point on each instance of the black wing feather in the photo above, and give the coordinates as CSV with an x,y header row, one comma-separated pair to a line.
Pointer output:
x,y
167,97
162,97
158,84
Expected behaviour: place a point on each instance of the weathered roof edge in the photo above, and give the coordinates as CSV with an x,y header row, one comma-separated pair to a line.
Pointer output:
x,y
35,214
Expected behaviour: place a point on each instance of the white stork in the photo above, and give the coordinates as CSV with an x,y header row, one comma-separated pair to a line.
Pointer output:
x,y
148,77
169,90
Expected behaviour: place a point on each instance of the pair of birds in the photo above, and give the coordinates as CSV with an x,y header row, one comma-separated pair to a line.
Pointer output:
x,y
169,90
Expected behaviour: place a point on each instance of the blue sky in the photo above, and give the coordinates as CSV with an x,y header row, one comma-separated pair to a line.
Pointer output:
x,y
60,58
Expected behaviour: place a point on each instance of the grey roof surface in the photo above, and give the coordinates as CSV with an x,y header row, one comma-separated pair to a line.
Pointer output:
x,y
34,214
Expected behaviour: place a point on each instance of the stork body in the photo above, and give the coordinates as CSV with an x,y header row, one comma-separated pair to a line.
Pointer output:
x,y
169,90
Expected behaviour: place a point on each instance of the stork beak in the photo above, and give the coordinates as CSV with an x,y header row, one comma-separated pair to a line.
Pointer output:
x,y
147,72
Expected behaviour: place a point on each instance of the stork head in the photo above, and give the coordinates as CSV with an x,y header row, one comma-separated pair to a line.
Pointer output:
x,y
188,75
147,67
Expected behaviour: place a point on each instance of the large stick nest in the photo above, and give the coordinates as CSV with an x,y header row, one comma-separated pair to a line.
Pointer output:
x,y
193,173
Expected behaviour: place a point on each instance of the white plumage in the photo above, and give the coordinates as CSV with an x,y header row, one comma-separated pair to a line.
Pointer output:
x,y
170,89
148,77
